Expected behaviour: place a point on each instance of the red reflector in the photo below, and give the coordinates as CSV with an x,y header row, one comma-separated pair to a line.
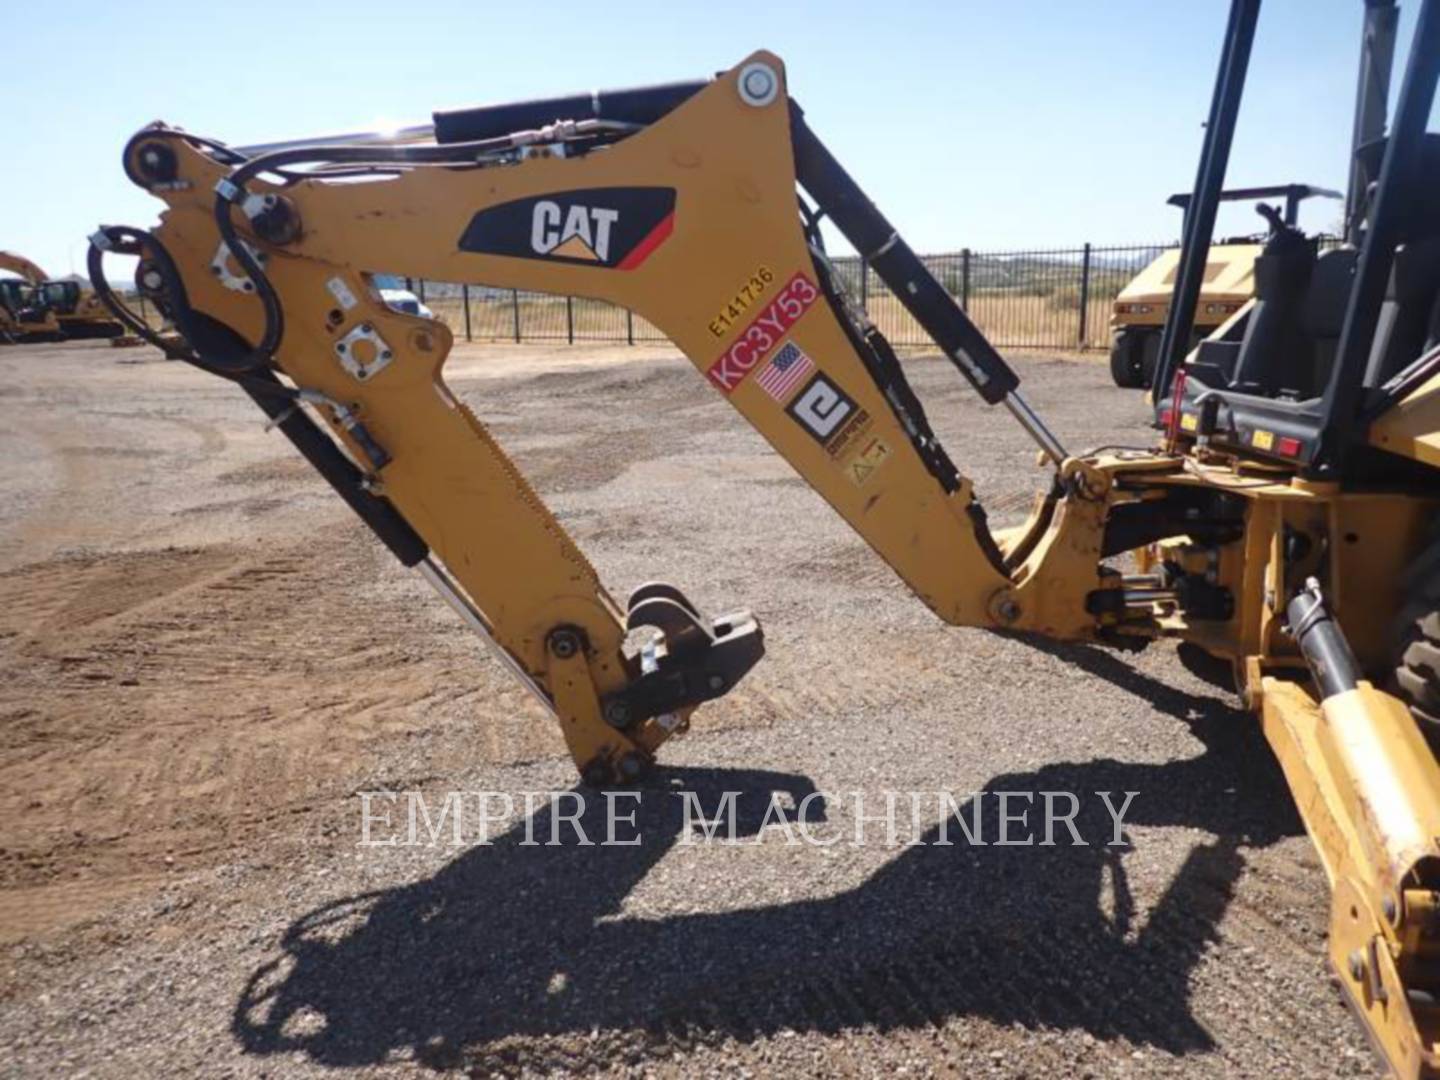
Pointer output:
x,y
1288,445
1166,415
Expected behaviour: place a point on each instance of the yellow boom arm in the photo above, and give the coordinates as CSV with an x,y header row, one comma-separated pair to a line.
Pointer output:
x,y
685,210
691,222
18,264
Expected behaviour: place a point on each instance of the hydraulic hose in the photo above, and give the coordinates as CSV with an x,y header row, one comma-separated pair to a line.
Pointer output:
x,y
231,192
279,402
117,238
1322,642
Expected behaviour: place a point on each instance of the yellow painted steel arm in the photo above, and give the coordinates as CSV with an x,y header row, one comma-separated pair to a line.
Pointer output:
x,y
735,234
1368,788
1412,427
691,220
18,264
715,256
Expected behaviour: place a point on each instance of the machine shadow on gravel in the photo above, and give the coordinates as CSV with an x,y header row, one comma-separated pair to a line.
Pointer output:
x,y
514,956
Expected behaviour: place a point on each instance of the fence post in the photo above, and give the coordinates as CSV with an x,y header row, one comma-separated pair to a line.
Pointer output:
x,y
1084,295
965,279
422,290
465,296
409,284
629,327
515,310
570,319
864,285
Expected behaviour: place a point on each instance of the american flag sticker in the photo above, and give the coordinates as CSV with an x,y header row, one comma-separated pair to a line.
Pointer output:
x,y
787,369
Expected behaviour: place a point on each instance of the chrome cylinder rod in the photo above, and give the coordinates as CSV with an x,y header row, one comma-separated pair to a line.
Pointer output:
x,y
1036,427
415,133
441,583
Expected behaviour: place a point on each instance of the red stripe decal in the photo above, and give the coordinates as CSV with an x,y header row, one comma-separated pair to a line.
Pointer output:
x,y
641,251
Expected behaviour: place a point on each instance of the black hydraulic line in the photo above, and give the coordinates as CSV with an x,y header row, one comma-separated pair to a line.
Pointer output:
x,y
1322,642
879,245
278,401
1396,196
232,193
636,105
1204,202
339,471
885,371
95,268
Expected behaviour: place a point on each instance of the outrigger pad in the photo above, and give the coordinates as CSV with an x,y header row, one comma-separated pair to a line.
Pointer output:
x,y
697,659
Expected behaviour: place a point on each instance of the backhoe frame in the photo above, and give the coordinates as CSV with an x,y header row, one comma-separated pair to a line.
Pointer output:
x,y
680,203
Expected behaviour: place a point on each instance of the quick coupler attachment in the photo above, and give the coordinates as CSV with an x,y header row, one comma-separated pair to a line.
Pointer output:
x,y
694,659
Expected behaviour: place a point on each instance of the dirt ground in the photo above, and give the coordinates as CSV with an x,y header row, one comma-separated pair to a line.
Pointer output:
x,y
203,661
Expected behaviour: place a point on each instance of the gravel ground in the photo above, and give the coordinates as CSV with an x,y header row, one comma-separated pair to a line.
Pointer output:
x,y
203,661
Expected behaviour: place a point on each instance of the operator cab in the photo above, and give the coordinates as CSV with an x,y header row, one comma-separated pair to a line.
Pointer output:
x,y
61,297
1333,336
14,294
22,300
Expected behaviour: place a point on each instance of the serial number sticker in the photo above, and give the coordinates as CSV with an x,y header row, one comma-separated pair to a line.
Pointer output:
x,y
764,333
871,456
754,288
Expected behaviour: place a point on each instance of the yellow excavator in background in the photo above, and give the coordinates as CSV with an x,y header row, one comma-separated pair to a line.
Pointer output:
x,y
35,307
23,314
1284,520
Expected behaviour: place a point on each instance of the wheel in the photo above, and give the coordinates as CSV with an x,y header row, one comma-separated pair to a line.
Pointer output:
x,y
1125,359
1416,676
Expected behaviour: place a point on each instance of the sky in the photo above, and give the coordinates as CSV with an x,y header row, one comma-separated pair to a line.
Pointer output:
x,y
997,126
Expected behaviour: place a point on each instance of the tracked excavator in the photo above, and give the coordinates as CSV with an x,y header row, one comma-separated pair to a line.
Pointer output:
x,y
1283,520
81,314
23,314
39,308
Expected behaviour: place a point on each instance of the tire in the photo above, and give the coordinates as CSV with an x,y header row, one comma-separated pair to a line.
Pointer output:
x,y
1415,678
1125,359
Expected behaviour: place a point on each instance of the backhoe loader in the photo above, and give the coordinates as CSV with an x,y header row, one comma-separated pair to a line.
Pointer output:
x,y
1283,521
23,314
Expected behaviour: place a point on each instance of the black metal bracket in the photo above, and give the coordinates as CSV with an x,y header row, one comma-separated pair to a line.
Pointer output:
x,y
694,660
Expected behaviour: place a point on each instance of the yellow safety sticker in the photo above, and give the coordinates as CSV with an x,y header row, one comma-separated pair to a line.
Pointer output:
x,y
1262,440
1189,421
871,456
